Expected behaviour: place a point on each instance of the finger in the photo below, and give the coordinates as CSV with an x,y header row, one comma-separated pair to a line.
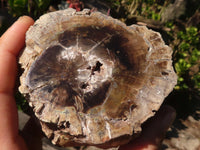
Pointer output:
x,y
10,44
160,123
153,130
13,39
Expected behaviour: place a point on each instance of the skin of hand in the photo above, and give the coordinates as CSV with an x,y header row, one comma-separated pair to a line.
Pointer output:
x,y
153,130
11,42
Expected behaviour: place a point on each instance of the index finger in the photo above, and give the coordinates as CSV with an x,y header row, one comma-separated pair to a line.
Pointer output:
x,y
11,43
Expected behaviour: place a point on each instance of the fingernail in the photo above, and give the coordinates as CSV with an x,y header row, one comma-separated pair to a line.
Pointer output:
x,y
21,18
24,19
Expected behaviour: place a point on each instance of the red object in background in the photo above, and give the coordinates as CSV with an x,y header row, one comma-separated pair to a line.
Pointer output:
x,y
76,4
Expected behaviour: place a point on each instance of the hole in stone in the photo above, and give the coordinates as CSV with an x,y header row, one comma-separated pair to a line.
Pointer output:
x,y
67,124
51,126
89,67
154,111
97,67
64,125
164,73
40,110
84,85
133,107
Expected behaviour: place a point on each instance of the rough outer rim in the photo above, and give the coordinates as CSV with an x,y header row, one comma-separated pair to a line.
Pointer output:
x,y
150,94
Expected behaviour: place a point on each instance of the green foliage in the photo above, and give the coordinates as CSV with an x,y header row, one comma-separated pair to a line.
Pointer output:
x,y
151,10
18,7
40,6
187,59
21,102
115,2
34,8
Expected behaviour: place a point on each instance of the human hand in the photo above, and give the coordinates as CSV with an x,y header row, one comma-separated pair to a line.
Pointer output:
x,y
153,131
11,42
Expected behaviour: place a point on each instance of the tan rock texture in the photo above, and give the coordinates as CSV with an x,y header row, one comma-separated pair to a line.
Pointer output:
x,y
92,80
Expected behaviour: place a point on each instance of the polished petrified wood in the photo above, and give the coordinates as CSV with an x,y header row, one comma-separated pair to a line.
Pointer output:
x,y
92,80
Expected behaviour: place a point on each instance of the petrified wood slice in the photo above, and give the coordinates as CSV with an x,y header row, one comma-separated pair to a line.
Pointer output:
x,y
92,80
